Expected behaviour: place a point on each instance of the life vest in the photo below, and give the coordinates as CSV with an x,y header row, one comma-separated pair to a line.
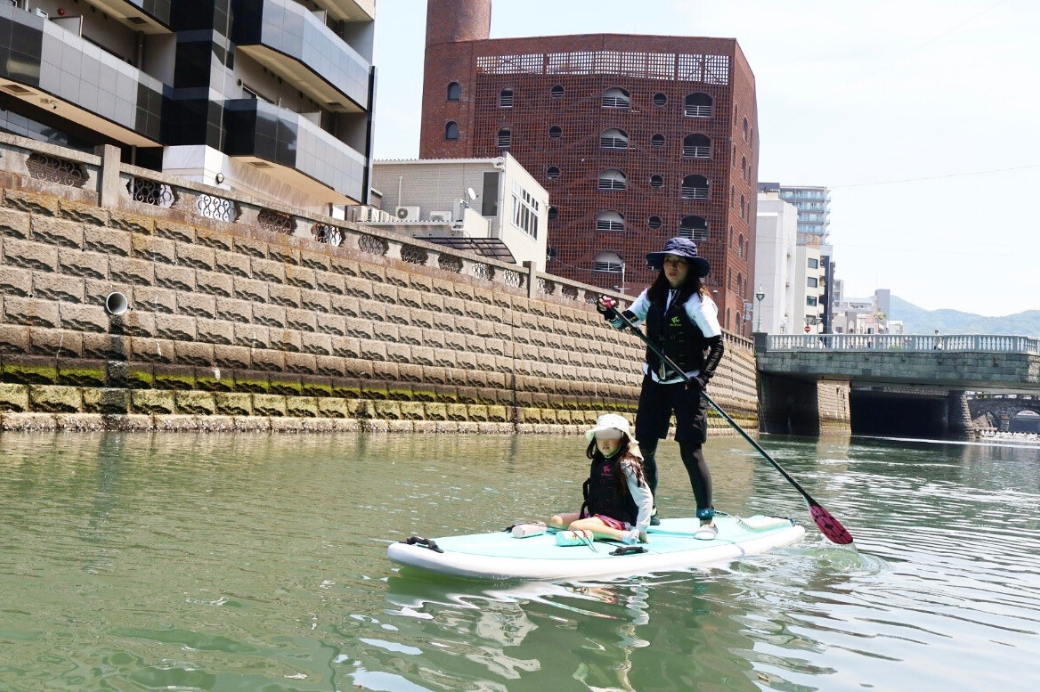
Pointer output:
x,y
677,336
602,496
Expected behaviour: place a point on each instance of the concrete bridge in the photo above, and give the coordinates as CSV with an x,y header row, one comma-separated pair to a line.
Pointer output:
x,y
886,383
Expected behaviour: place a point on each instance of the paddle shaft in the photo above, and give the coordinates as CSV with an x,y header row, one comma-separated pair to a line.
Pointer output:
x,y
718,409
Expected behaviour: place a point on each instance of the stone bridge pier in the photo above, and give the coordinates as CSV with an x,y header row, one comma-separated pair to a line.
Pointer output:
x,y
803,407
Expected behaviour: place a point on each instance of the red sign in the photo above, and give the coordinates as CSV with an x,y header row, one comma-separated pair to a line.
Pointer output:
x,y
807,330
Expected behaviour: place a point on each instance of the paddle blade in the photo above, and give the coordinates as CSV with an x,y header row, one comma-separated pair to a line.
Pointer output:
x,y
829,526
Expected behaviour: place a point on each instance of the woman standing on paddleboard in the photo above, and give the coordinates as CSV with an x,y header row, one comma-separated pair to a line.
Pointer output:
x,y
682,320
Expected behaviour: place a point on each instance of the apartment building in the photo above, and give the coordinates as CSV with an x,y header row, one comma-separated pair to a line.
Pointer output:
x,y
272,98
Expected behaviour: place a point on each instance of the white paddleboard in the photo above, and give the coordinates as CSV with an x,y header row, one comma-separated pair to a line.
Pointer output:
x,y
499,556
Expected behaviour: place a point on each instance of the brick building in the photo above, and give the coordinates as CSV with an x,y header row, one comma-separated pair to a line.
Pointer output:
x,y
636,138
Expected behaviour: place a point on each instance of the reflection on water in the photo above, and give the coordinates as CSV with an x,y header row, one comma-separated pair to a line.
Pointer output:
x,y
145,562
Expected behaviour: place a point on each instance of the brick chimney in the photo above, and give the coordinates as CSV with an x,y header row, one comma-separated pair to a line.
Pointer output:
x,y
451,21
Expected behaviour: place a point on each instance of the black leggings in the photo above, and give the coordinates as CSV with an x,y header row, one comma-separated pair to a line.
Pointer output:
x,y
692,454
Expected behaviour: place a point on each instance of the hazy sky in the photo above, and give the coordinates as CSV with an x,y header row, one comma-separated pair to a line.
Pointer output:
x,y
922,116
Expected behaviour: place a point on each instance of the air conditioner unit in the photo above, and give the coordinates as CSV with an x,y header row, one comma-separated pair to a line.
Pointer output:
x,y
407,213
442,216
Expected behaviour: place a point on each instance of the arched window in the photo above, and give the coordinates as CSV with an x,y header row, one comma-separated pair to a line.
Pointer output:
x,y
454,91
740,284
505,138
695,228
657,141
695,187
656,181
698,106
654,222
610,221
696,147
616,98
743,167
552,172
451,130
554,213
743,208
505,98
740,246
613,139
660,99
612,179
555,132
556,92
745,129
608,263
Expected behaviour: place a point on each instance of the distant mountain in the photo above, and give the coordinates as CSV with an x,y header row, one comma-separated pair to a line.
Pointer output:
x,y
917,320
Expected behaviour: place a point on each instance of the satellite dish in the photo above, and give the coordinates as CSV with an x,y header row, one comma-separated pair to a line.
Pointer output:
x,y
471,194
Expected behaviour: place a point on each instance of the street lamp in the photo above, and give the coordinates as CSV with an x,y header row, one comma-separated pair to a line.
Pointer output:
x,y
759,296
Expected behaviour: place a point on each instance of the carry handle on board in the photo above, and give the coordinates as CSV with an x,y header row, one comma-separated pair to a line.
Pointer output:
x,y
828,525
424,542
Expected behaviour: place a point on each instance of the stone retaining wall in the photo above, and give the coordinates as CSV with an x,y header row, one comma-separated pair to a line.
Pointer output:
x,y
238,328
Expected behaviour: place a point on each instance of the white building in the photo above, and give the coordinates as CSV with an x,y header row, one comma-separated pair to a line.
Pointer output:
x,y
492,207
775,250
866,315
807,291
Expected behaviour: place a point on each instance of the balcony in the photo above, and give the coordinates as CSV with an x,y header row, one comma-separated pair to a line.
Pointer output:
x,y
295,44
53,69
349,10
291,148
146,16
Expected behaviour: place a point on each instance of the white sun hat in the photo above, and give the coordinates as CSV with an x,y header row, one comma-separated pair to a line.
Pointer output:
x,y
609,422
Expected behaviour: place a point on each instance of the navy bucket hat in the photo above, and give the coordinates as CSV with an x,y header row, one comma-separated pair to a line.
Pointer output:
x,y
680,247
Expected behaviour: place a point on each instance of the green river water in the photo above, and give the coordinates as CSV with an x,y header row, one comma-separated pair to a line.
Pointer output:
x,y
227,563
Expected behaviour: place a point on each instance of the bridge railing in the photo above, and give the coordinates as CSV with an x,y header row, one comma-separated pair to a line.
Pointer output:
x,y
991,343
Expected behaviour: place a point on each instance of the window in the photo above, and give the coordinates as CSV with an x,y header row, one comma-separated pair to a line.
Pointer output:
x,y
525,210
695,187
743,167
656,181
695,228
554,213
616,98
743,202
657,141
660,99
505,138
697,106
612,179
812,282
454,91
552,172
745,129
608,263
505,99
613,139
654,222
811,301
814,263
696,147
451,130
556,92
740,246
555,132
610,221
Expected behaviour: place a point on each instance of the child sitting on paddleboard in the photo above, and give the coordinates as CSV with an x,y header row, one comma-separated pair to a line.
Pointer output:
x,y
618,502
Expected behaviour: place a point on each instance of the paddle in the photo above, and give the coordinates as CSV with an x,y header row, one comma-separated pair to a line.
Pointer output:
x,y
828,525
